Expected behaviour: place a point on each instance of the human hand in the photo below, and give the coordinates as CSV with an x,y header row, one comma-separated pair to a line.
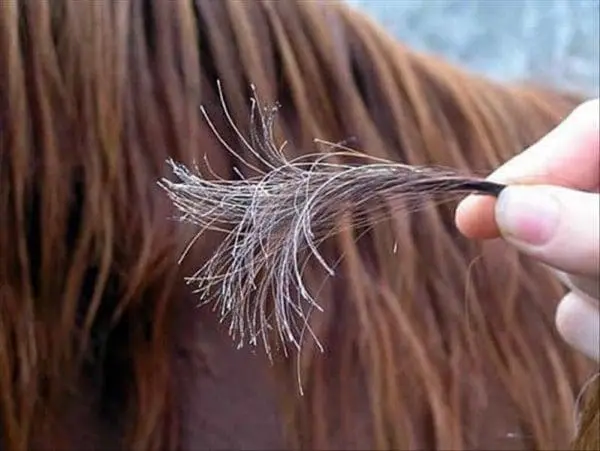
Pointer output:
x,y
551,211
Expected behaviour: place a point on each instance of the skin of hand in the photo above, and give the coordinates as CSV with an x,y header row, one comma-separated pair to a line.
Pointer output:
x,y
551,211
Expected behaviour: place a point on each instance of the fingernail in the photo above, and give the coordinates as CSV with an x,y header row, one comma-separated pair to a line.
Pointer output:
x,y
527,215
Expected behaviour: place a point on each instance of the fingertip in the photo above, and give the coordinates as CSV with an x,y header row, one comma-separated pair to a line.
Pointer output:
x,y
578,322
475,219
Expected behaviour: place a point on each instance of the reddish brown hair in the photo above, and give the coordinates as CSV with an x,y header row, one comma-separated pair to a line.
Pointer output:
x,y
446,345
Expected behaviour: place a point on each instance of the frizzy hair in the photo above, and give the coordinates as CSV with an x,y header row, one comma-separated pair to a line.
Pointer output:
x,y
446,344
275,221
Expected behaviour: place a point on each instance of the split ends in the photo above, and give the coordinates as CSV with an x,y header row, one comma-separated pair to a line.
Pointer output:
x,y
274,222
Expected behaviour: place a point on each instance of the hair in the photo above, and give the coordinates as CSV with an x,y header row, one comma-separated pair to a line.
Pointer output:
x,y
276,221
447,344
588,424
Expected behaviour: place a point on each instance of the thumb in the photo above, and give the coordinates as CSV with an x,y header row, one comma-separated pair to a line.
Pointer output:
x,y
559,226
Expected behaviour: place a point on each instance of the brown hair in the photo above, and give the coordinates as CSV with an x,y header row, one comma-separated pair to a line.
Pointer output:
x,y
588,432
95,95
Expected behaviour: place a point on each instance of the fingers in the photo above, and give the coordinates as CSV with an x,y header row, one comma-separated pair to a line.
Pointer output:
x,y
568,156
589,286
578,321
558,226
564,157
474,217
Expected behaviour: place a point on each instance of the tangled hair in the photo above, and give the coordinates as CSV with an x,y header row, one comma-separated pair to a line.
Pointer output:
x,y
276,220
446,344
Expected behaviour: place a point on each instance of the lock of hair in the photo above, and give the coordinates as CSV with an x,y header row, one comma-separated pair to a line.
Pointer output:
x,y
275,221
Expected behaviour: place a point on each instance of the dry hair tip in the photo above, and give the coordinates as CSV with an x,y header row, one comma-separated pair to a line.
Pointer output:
x,y
275,221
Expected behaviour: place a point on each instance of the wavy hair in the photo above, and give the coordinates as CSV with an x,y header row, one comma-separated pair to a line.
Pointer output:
x,y
446,344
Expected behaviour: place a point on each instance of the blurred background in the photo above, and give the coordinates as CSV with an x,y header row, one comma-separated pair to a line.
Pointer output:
x,y
553,41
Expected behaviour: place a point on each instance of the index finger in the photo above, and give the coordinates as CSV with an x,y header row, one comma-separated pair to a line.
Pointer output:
x,y
568,156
